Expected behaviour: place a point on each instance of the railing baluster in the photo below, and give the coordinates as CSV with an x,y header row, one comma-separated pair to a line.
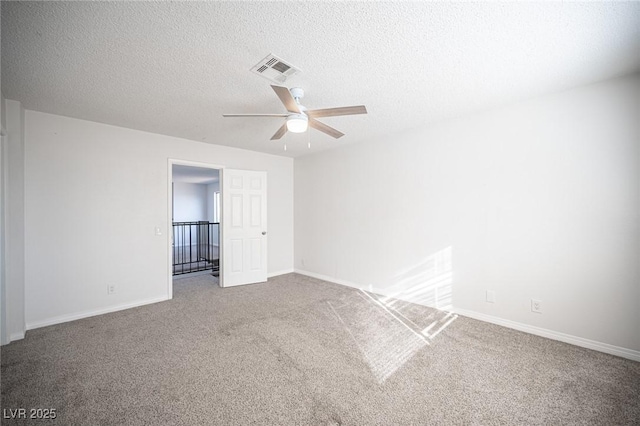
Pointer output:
x,y
186,257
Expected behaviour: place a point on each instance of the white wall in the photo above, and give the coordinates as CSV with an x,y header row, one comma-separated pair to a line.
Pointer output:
x,y
94,195
189,205
14,165
538,200
189,202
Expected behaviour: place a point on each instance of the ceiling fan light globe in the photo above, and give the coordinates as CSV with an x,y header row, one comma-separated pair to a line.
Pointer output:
x,y
297,123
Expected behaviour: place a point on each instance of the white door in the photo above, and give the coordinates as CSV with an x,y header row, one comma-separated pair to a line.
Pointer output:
x,y
244,227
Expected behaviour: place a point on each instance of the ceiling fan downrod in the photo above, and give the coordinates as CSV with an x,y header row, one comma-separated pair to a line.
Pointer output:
x,y
297,93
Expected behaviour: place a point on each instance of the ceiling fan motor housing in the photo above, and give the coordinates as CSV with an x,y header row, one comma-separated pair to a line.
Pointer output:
x,y
297,92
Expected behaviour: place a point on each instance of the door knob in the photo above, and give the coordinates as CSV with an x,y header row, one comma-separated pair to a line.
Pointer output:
x,y
264,232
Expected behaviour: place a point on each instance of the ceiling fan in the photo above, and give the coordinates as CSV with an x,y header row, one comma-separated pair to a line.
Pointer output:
x,y
298,118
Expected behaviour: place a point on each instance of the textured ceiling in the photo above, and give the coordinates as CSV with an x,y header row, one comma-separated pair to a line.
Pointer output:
x,y
175,68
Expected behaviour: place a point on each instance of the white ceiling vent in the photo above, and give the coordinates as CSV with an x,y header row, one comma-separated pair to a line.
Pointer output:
x,y
275,69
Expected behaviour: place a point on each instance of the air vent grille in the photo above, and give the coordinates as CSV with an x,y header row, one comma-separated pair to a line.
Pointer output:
x,y
275,69
281,66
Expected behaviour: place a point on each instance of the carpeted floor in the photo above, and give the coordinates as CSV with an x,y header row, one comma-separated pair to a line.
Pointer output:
x,y
297,350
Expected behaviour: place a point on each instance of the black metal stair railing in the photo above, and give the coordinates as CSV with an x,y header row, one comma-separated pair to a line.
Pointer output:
x,y
195,247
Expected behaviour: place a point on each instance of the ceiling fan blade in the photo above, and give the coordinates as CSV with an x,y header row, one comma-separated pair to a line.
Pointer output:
x,y
255,115
280,133
324,128
286,98
332,112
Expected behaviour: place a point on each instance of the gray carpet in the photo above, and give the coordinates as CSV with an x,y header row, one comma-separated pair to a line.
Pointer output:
x,y
297,350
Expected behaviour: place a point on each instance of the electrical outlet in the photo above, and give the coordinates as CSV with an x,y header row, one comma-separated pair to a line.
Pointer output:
x,y
536,306
302,261
111,289
491,296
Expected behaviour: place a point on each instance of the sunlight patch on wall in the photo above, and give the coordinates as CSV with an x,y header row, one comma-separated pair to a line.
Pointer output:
x,y
428,283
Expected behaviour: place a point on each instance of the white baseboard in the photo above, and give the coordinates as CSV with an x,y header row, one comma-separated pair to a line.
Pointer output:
x,y
282,272
16,336
554,335
543,332
86,314
331,279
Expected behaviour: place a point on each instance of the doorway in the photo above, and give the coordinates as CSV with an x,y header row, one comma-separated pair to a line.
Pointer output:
x,y
195,213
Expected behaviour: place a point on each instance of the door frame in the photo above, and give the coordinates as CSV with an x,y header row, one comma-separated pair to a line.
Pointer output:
x,y
170,163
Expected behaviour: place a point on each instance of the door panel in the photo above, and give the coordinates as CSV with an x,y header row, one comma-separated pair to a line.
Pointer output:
x,y
244,221
236,256
236,210
255,254
256,211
